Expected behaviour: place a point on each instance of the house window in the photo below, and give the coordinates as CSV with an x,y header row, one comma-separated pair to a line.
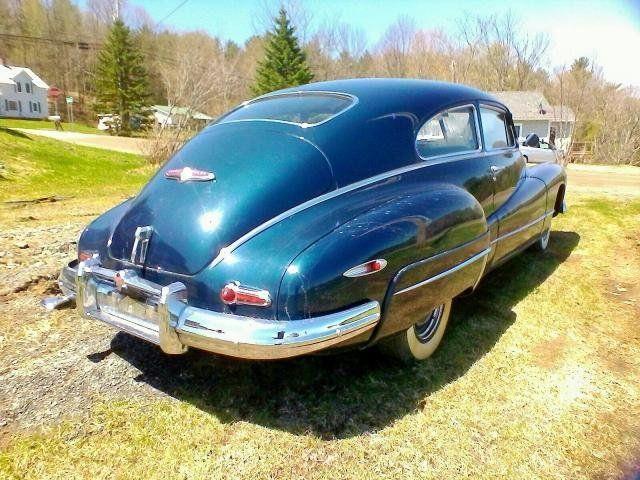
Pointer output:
x,y
31,106
11,104
19,86
518,127
27,87
39,109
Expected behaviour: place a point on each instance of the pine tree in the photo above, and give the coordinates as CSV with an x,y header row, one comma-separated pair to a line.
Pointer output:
x,y
285,64
121,79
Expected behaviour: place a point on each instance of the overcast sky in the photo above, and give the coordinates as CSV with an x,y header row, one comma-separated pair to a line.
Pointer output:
x,y
607,30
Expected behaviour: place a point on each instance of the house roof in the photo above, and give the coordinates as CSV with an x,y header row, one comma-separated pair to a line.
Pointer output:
x,y
173,110
532,105
8,73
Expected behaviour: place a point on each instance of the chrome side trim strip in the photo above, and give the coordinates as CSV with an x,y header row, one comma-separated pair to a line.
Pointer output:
x,y
523,227
469,261
310,203
335,193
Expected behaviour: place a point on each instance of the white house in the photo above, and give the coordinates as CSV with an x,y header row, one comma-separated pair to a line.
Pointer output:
x,y
532,113
23,94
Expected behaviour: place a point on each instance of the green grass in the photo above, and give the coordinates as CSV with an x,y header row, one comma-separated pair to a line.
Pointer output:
x,y
34,167
538,375
47,125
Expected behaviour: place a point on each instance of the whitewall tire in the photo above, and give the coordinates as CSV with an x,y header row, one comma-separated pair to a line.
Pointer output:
x,y
543,242
421,340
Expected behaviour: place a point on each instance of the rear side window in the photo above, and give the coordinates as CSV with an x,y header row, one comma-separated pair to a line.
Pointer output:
x,y
306,109
495,129
450,132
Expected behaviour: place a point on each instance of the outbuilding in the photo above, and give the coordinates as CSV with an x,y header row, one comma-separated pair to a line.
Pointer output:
x,y
532,113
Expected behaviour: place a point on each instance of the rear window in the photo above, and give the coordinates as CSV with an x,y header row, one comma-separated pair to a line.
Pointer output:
x,y
300,108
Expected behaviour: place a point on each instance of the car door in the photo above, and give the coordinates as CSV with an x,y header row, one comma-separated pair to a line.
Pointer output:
x,y
518,199
450,142
505,161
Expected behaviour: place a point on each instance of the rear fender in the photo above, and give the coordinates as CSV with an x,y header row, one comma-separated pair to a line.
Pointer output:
x,y
554,177
403,231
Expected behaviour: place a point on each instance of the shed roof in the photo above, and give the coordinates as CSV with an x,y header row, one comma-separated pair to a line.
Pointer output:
x,y
532,105
174,110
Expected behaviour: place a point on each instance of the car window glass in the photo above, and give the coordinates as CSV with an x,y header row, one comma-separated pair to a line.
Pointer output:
x,y
301,108
494,129
449,132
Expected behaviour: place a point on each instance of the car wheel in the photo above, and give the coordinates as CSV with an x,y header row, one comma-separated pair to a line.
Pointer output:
x,y
543,242
420,340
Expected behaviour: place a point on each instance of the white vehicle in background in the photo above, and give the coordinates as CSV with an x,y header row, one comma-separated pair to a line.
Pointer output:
x,y
106,121
537,150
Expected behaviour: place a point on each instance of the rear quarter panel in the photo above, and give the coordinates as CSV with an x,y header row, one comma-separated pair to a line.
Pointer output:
x,y
429,221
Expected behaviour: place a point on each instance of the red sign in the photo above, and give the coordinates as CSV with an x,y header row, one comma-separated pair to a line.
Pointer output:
x,y
55,92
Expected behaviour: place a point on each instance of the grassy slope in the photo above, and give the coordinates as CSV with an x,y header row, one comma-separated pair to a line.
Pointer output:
x,y
36,167
538,376
47,125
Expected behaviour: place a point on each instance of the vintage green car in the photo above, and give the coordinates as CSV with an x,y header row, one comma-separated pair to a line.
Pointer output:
x,y
335,214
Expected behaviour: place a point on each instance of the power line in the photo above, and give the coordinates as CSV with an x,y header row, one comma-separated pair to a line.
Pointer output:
x,y
171,12
81,45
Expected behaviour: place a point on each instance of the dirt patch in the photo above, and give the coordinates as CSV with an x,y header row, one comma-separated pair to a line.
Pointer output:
x,y
624,292
30,254
550,353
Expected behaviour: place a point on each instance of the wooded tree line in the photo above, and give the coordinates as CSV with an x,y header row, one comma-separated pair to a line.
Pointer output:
x,y
60,41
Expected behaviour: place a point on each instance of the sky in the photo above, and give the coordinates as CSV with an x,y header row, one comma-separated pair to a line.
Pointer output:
x,y
606,30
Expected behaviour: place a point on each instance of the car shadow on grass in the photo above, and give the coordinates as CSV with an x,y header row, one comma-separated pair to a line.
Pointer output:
x,y
342,395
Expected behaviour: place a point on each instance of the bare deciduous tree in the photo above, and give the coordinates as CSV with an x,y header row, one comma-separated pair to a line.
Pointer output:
x,y
197,78
395,46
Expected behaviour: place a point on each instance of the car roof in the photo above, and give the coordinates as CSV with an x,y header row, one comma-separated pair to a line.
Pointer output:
x,y
378,133
386,95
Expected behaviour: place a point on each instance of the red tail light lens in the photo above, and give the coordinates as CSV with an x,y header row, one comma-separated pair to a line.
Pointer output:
x,y
236,294
85,255
366,268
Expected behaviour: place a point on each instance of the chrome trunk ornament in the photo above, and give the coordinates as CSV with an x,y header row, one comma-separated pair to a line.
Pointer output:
x,y
188,174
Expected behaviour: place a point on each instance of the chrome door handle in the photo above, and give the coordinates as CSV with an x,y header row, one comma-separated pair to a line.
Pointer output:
x,y
495,169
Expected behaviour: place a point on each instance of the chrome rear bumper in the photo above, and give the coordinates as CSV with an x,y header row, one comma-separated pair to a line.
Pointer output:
x,y
162,315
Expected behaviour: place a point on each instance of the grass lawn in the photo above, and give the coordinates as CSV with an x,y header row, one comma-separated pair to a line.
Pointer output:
x,y
538,375
47,125
33,167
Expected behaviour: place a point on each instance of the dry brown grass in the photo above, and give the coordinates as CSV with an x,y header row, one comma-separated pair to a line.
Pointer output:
x,y
538,377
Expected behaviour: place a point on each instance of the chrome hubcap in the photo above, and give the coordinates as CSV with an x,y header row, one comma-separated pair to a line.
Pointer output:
x,y
425,330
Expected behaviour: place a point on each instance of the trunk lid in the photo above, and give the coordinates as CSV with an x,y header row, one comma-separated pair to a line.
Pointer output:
x,y
261,170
